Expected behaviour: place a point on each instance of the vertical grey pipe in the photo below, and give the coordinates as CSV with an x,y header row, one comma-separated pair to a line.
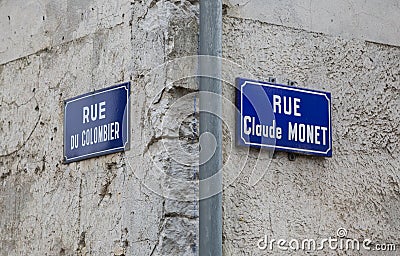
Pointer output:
x,y
210,208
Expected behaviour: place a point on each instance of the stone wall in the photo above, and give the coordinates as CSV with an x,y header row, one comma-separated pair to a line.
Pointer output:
x,y
312,197
55,50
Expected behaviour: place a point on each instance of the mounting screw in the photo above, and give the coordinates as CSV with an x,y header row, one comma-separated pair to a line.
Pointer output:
x,y
291,83
291,156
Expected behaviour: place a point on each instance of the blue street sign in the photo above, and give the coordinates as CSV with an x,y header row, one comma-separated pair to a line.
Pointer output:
x,y
283,117
97,123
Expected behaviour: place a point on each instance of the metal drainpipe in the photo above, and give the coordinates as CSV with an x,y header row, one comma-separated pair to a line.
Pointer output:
x,y
210,208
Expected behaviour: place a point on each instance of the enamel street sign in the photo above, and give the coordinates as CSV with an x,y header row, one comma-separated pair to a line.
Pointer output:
x,y
283,117
97,123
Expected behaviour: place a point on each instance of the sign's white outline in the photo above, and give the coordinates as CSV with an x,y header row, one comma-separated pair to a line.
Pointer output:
x,y
127,121
290,89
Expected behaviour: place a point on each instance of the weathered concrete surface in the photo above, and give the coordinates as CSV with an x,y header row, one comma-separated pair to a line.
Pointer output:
x,y
106,205
311,197
33,25
371,20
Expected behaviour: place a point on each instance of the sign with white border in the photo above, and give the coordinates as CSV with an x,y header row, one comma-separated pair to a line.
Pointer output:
x,y
283,117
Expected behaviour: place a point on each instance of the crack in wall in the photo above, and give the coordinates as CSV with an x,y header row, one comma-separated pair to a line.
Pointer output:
x,y
81,239
180,215
105,187
24,142
161,226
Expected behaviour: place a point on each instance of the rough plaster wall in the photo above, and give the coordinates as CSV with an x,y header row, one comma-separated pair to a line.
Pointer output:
x,y
311,197
371,20
105,205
